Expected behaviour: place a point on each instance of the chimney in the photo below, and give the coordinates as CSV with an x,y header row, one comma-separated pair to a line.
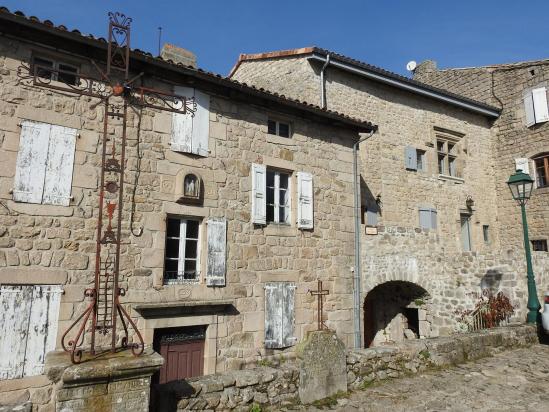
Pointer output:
x,y
425,67
178,55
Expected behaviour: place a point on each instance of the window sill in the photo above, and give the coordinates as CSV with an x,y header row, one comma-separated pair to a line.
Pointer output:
x,y
457,180
279,230
272,138
542,190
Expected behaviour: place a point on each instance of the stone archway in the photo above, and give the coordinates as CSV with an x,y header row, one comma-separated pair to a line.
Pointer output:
x,y
395,311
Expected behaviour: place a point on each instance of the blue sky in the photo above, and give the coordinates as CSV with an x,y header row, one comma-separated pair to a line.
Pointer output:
x,y
385,33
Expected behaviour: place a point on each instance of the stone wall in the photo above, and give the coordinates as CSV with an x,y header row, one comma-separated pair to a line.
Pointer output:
x,y
279,386
43,244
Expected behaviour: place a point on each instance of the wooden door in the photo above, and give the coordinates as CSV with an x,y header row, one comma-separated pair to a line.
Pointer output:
x,y
183,353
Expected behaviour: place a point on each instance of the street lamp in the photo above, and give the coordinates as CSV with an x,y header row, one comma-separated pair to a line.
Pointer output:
x,y
521,185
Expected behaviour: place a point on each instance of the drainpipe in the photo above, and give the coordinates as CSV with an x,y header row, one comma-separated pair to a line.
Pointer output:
x,y
323,84
357,269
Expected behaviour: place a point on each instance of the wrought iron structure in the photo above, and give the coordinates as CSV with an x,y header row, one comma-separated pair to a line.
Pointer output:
x,y
116,92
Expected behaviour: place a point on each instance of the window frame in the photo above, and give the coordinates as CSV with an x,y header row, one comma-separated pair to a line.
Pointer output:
x,y
544,157
181,259
277,128
56,63
448,155
486,234
421,160
542,242
276,197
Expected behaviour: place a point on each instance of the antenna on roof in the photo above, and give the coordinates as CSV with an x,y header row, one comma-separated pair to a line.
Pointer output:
x,y
159,39
411,66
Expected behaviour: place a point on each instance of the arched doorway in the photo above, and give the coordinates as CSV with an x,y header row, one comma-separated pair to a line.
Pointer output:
x,y
395,311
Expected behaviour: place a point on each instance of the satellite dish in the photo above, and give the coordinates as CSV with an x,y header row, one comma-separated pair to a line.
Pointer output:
x,y
411,66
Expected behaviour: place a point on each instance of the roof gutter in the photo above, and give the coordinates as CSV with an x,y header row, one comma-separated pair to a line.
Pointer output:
x,y
404,86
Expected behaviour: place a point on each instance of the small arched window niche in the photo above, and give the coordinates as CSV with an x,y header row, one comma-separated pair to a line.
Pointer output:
x,y
191,189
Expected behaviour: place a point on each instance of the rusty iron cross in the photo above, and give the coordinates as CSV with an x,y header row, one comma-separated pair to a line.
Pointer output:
x,y
320,293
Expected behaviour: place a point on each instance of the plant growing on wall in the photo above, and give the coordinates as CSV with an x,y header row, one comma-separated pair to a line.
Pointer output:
x,y
490,311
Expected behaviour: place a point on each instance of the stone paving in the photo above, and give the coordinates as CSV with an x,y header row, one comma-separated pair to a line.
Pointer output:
x,y
516,380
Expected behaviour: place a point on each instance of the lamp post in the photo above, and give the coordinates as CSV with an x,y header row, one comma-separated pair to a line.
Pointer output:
x,y
521,185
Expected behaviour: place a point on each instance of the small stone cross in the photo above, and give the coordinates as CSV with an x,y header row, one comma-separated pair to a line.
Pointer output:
x,y
320,293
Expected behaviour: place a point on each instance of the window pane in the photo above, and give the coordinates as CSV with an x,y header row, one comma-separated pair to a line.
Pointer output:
x,y
270,195
172,227
420,159
452,166
192,229
485,233
284,180
270,179
451,147
271,127
270,213
172,248
284,215
283,198
67,77
441,168
440,146
190,249
171,266
42,71
283,129
190,269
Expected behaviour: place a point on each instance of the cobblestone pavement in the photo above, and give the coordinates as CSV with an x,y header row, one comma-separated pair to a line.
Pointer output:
x,y
516,380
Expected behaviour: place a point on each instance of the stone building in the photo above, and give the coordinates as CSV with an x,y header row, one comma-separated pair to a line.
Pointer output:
x,y
229,219
437,212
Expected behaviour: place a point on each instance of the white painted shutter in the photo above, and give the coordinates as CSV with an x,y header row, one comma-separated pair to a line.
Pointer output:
x,y
31,162
217,252
59,166
28,321
371,217
541,112
522,164
42,331
425,218
201,124
529,108
288,314
182,125
279,314
305,200
410,154
259,200
190,134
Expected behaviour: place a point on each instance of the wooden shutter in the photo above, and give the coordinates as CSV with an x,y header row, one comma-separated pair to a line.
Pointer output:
x,y
425,218
529,108
522,164
42,331
28,321
31,162
182,125
201,124
217,252
410,158
259,201
539,97
59,166
371,217
305,205
433,218
279,314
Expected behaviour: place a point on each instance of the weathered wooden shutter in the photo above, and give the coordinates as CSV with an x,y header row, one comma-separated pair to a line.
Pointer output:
x,y
217,252
410,154
31,162
539,97
190,134
28,321
259,187
522,164
433,219
59,166
305,201
201,124
279,314
182,125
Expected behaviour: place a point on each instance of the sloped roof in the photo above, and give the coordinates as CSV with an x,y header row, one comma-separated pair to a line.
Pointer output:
x,y
18,24
378,74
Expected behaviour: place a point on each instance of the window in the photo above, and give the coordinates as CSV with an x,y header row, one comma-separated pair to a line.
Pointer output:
x,y
465,221
542,170
447,157
28,321
279,314
43,172
278,128
427,218
539,245
415,159
535,106
55,70
278,197
486,233
182,251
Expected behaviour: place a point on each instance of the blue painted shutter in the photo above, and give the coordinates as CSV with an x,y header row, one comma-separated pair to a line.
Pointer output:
x,y
410,154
